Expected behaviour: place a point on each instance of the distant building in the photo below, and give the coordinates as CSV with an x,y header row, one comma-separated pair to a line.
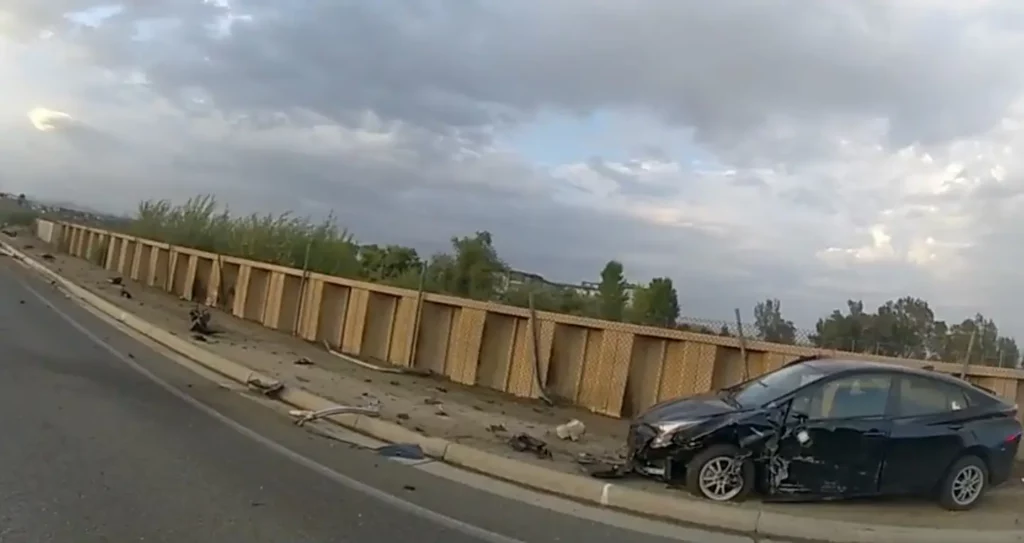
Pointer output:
x,y
517,278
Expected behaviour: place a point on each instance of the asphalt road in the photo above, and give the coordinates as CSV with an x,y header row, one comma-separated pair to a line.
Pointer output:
x,y
95,450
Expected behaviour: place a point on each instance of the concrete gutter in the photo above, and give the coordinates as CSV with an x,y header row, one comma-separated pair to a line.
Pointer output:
x,y
721,517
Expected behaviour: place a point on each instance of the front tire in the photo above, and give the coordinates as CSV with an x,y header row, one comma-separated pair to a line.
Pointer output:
x,y
714,475
965,484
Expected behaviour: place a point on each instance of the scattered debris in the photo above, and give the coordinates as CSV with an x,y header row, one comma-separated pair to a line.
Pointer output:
x,y
199,337
432,401
115,280
264,387
441,412
29,247
530,444
408,451
125,294
21,302
410,488
304,416
402,416
9,233
303,361
199,321
394,383
606,470
442,390
572,430
497,429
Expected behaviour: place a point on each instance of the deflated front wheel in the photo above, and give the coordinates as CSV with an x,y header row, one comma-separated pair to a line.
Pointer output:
x,y
720,473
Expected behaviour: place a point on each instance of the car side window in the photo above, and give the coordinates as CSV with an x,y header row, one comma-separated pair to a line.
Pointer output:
x,y
846,397
921,396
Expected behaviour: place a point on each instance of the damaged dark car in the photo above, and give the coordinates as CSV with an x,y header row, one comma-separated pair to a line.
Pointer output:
x,y
825,429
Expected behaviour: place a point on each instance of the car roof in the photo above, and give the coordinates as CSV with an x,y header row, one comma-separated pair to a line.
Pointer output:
x,y
832,366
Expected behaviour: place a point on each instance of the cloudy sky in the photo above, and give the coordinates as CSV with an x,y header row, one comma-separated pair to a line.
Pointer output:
x,y
811,151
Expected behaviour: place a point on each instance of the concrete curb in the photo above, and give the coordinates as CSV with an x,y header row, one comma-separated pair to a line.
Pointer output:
x,y
725,517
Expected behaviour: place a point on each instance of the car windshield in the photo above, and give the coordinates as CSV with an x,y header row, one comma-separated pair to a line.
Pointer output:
x,y
772,386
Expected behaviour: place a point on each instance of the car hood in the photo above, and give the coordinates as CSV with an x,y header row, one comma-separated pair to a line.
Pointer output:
x,y
694,407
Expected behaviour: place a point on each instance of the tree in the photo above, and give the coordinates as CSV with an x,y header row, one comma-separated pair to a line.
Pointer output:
x,y
770,324
387,263
903,328
849,332
476,268
656,304
612,293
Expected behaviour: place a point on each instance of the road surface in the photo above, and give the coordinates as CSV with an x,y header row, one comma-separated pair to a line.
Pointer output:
x,y
95,450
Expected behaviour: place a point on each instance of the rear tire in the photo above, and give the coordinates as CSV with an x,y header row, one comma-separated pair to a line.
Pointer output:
x,y
964,485
708,474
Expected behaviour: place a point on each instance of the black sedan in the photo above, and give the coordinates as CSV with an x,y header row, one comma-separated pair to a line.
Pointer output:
x,y
820,429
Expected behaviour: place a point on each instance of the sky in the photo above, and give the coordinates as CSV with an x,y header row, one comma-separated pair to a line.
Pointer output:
x,y
808,151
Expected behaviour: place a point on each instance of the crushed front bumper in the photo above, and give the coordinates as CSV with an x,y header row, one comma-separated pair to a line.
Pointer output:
x,y
666,464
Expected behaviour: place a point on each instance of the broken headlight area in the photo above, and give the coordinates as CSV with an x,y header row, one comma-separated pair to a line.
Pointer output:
x,y
660,449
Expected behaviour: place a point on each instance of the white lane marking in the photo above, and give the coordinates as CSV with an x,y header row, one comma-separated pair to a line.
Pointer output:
x,y
389,499
604,493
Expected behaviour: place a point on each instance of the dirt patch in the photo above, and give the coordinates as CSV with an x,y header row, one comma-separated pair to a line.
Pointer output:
x,y
477,417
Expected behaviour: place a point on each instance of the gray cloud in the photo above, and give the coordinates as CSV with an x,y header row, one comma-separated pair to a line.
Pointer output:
x,y
391,113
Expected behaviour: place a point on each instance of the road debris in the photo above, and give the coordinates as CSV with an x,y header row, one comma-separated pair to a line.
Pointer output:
x,y
263,386
125,294
115,280
572,430
606,470
9,233
408,451
530,444
199,321
603,468
497,429
302,361
304,416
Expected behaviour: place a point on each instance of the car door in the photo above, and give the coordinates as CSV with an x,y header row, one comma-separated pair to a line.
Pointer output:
x,y
928,433
834,439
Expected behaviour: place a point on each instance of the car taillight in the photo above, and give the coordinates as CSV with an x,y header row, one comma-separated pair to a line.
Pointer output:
x,y
1012,438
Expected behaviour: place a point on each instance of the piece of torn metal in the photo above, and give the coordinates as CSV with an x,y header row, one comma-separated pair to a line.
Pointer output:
x,y
303,416
199,321
265,387
606,470
530,444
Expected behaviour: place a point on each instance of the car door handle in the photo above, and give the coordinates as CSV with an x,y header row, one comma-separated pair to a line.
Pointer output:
x,y
874,433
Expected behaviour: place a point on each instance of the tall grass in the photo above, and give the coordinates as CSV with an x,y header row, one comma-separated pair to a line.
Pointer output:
x,y
283,239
